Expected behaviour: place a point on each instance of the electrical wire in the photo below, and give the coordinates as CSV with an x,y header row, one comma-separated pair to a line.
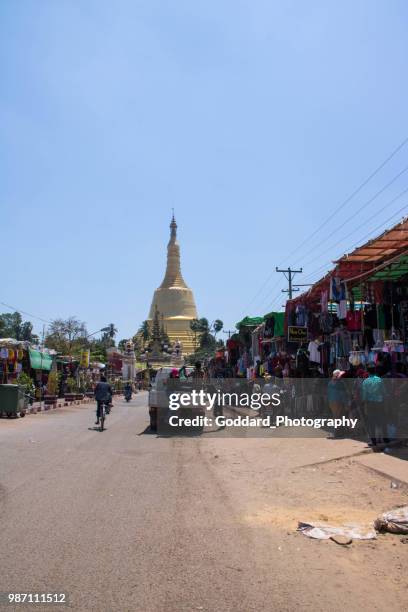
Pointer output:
x,y
24,312
363,207
328,219
351,196
353,246
332,246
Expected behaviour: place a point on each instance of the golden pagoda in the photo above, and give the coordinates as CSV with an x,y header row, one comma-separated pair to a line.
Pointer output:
x,y
173,299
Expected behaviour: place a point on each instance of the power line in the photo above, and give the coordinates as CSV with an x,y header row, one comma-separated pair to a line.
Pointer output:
x,y
359,227
335,212
374,230
353,246
351,196
367,203
356,244
24,312
403,192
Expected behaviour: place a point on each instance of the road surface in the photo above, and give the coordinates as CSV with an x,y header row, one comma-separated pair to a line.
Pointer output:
x,y
125,520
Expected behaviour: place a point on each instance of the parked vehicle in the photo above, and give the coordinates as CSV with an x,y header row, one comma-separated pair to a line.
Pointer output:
x,y
158,394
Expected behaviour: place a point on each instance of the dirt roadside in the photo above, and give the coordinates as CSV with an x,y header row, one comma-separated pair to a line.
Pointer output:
x,y
275,483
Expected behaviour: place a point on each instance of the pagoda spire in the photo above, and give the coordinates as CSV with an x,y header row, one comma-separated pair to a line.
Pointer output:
x,y
173,276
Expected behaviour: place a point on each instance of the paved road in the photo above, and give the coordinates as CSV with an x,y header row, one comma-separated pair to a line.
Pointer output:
x,y
126,520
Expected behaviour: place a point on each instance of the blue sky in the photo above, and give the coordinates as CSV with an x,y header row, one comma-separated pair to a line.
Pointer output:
x,y
254,119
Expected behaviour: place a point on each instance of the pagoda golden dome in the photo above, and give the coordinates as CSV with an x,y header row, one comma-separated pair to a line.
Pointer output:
x,y
174,299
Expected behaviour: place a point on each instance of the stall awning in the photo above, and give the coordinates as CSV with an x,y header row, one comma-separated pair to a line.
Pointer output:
x,y
40,361
249,322
389,244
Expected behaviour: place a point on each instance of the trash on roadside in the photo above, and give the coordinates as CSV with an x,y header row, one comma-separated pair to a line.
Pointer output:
x,y
342,540
394,521
394,485
320,531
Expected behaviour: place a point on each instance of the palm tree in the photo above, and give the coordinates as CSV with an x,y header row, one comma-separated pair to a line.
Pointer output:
x,y
217,326
144,329
110,330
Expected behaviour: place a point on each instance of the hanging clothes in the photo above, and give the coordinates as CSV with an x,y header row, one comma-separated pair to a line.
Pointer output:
x,y
353,319
301,315
314,353
324,301
342,309
337,289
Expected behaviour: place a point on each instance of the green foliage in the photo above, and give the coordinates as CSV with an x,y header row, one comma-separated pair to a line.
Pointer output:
x,y
53,383
117,384
85,382
205,334
137,343
144,330
71,385
217,326
110,331
122,344
108,336
67,336
12,326
98,351
24,380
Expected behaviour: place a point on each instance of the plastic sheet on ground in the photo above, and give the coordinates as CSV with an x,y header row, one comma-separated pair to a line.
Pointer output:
x,y
322,531
394,521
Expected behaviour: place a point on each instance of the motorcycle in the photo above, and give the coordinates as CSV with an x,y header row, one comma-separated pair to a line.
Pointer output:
x,y
128,396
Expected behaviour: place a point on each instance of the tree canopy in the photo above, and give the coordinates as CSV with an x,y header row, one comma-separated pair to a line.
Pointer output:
x,y
13,326
66,335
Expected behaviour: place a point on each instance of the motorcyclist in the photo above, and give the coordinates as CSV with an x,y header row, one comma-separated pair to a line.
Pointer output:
x,y
103,395
128,390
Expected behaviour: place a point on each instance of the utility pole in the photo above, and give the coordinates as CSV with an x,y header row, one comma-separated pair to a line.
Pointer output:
x,y
289,275
229,332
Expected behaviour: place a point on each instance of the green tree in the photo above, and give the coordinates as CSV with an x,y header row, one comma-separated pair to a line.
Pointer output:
x,y
217,326
108,335
67,335
205,333
137,343
122,344
144,330
98,351
13,326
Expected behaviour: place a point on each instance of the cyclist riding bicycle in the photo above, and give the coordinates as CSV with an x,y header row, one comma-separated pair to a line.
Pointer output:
x,y
103,395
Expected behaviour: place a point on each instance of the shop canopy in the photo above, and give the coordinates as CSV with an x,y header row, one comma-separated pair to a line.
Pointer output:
x,y
39,360
249,322
383,258
390,243
394,271
279,322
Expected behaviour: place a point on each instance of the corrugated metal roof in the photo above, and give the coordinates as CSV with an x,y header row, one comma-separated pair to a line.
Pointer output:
x,y
387,245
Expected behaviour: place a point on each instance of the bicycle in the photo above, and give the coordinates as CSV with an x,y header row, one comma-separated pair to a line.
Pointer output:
x,y
103,410
102,416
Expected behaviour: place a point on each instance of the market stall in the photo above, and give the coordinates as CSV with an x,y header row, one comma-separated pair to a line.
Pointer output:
x,y
359,311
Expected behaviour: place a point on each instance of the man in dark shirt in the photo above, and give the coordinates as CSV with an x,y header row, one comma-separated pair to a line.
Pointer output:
x,y
103,395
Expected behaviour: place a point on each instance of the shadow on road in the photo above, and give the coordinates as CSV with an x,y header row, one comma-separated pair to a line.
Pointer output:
x,y
148,431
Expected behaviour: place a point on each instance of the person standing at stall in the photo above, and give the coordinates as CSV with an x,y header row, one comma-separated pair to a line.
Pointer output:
x,y
373,396
338,399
